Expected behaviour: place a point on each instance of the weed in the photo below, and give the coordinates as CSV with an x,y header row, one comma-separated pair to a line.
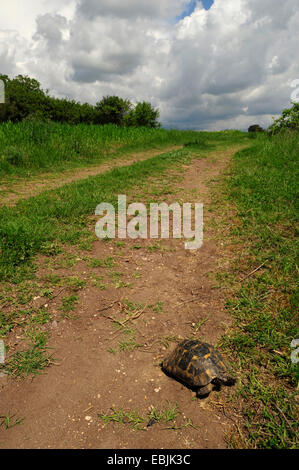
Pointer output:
x,y
102,263
120,416
69,304
158,308
196,326
168,415
32,361
75,283
129,345
8,421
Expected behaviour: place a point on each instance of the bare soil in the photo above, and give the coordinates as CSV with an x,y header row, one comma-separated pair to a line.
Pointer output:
x,y
174,289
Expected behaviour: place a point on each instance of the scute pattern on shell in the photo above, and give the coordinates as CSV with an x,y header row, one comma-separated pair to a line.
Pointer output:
x,y
195,363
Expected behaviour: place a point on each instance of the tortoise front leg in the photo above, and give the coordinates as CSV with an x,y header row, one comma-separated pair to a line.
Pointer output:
x,y
204,391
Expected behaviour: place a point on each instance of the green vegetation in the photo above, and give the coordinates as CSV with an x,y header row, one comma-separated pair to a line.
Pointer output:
x,y
289,120
9,421
131,417
69,304
263,185
60,216
137,422
31,361
143,115
36,146
26,100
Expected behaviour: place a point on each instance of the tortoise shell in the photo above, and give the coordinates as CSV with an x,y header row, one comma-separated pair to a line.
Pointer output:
x,y
195,363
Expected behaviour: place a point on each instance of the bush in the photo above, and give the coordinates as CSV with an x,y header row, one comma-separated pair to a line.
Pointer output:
x,y
289,120
255,128
112,110
143,115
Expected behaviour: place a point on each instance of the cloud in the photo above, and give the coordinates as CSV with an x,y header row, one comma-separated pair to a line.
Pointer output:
x,y
130,9
229,66
51,28
10,46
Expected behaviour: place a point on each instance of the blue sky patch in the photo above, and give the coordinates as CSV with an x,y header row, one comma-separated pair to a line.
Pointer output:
x,y
191,7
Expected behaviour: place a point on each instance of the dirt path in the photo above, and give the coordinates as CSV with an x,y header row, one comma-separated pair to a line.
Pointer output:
x,y
168,292
12,192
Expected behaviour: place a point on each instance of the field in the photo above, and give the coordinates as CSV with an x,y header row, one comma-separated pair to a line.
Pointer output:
x,y
90,320
30,147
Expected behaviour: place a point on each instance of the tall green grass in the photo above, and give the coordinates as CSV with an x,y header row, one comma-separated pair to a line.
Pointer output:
x,y
263,186
33,146
48,145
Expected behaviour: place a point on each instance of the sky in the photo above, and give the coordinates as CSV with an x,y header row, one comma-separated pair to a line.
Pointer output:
x,y
209,65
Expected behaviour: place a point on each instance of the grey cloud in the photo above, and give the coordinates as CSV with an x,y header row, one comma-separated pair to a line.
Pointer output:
x,y
50,27
10,45
6,64
104,69
131,8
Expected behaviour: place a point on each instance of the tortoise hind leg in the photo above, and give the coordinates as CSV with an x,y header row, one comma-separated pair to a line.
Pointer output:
x,y
204,391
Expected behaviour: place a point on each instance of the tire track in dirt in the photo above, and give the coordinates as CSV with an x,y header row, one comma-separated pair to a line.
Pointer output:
x,y
93,376
13,192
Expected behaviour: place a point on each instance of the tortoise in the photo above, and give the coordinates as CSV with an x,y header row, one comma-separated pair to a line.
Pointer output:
x,y
198,365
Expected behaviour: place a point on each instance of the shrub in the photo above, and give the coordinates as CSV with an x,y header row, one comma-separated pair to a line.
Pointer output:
x,y
112,110
255,128
143,115
289,120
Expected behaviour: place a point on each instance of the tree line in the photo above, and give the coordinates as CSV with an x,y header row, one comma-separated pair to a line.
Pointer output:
x,y
25,99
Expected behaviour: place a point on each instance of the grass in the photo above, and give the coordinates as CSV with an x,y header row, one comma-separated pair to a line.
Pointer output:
x,y
9,421
68,305
196,326
60,216
28,148
100,263
38,146
129,345
131,417
263,186
137,421
32,361
168,415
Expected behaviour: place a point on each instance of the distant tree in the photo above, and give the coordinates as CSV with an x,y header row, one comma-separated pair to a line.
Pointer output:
x,y
255,128
112,110
144,114
289,120
63,110
23,97
87,113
